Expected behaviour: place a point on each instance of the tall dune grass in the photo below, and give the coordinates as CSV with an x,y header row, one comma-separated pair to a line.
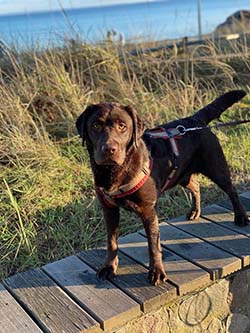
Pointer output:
x,y
47,202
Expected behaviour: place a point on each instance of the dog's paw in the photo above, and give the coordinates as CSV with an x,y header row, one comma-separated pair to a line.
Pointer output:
x,y
106,272
242,220
156,275
109,268
193,214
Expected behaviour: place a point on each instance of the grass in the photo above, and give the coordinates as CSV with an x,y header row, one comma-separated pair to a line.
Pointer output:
x,y
47,202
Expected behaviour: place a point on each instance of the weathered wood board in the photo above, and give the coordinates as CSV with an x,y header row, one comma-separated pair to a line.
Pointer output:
x,y
244,198
132,279
181,272
106,303
13,318
217,262
223,238
245,195
51,307
225,218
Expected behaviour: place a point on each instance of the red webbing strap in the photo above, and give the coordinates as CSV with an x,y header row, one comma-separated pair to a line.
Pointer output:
x,y
109,198
138,185
106,198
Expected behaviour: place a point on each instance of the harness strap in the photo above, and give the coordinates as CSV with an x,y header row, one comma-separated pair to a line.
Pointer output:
x,y
127,189
106,198
162,133
171,134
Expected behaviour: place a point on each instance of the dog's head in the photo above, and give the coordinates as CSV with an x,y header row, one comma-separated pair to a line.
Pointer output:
x,y
109,130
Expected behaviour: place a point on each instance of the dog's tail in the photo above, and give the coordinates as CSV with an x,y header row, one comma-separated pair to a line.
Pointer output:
x,y
215,109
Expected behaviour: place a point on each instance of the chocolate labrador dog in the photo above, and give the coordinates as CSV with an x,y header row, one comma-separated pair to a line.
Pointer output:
x,y
132,166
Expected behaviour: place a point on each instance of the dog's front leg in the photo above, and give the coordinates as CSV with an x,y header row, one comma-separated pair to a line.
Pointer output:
x,y
156,272
111,217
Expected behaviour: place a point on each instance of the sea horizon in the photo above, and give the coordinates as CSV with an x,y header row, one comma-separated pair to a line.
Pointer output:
x,y
47,11
158,20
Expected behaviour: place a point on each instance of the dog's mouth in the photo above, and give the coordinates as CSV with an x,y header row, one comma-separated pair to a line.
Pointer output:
x,y
111,160
108,160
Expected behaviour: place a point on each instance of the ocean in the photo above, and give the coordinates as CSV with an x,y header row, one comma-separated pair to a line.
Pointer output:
x,y
156,20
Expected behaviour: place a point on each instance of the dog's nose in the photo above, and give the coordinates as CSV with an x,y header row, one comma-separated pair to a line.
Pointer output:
x,y
110,148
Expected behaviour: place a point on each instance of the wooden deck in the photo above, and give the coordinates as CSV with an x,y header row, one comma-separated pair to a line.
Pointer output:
x,y
66,296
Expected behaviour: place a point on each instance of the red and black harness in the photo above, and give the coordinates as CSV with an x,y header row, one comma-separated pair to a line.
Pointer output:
x,y
171,134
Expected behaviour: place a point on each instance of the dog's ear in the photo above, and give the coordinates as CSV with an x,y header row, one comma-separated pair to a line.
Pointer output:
x,y
82,120
138,125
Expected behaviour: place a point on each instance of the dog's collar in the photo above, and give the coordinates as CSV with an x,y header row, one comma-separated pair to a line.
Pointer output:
x,y
134,185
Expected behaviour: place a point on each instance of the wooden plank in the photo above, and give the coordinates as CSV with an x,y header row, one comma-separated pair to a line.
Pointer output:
x,y
246,195
13,318
243,199
217,262
225,218
223,238
185,275
132,279
49,304
97,297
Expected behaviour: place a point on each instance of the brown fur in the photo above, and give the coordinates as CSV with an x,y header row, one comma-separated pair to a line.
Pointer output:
x,y
118,147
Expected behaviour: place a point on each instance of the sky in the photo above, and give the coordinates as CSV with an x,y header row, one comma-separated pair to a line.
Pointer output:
x,y
24,6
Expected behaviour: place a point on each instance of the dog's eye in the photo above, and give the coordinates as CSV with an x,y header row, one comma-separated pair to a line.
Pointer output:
x,y
96,126
122,127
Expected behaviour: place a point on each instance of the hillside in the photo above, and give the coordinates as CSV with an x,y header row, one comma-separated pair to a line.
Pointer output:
x,y
239,22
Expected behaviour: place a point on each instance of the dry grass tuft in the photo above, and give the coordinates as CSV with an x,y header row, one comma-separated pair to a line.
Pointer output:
x,y
47,203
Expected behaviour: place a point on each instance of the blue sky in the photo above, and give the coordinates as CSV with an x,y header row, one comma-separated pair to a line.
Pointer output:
x,y
17,6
